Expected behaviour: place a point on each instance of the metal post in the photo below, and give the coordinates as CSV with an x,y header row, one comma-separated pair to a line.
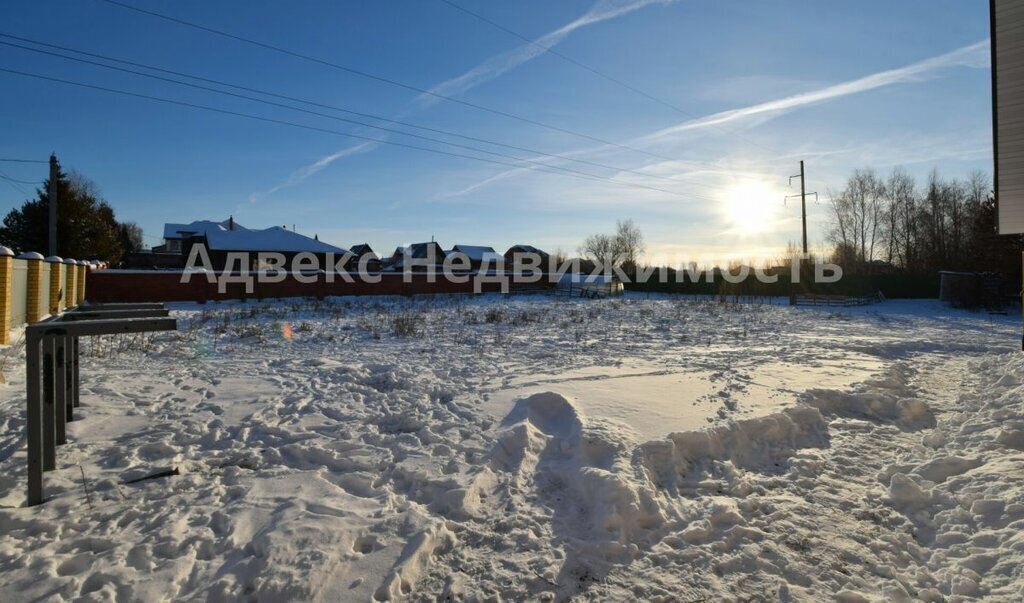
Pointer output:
x,y
34,424
803,204
74,368
60,407
55,342
49,429
79,315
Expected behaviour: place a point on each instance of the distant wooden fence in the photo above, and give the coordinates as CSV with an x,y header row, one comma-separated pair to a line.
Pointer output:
x,y
589,290
33,287
832,300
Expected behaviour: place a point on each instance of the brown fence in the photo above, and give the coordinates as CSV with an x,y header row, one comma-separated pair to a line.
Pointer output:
x,y
113,286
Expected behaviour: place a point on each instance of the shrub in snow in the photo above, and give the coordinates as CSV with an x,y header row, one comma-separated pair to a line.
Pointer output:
x,y
408,324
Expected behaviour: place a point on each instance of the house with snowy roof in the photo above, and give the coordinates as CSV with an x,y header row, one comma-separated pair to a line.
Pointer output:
x,y
176,234
478,255
526,254
425,255
363,255
276,239
228,236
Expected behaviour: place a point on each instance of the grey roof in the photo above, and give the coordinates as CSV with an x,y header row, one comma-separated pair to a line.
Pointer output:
x,y
363,249
420,250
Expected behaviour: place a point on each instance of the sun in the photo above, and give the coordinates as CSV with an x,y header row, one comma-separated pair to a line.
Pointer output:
x,y
750,207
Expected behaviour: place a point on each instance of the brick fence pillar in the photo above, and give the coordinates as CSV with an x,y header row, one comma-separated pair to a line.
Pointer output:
x,y
35,286
80,285
56,284
70,283
6,274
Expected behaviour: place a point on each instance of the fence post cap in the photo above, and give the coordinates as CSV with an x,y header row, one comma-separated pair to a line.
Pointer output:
x,y
81,262
6,251
53,259
31,255
70,261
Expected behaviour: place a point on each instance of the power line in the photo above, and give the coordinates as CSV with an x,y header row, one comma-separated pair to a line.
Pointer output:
x,y
545,168
25,160
584,66
8,178
293,99
379,78
14,184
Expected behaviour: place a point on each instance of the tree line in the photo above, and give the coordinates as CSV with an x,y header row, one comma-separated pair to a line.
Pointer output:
x,y
87,227
893,223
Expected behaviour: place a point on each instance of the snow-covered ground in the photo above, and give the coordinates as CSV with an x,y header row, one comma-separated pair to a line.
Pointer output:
x,y
528,448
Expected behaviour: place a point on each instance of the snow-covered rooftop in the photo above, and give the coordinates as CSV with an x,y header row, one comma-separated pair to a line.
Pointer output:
x,y
363,249
174,230
275,238
477,253
525,249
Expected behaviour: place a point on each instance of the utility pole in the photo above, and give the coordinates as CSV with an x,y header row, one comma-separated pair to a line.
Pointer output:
x,y
803,201
52,238
803,204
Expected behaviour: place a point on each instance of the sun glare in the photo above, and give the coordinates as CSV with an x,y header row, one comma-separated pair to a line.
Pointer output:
x,y
750,207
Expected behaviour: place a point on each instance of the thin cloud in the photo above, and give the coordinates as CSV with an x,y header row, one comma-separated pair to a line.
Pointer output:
x,y
305,172
603,10
490,69
975,55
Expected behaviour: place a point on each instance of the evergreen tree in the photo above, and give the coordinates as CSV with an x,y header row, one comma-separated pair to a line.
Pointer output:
x,y
989,251
86,225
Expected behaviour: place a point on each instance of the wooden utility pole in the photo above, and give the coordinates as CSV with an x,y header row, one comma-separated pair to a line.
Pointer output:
x,y
52,238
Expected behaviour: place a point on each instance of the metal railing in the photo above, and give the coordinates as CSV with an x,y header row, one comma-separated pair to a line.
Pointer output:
x,y
52,381
832,300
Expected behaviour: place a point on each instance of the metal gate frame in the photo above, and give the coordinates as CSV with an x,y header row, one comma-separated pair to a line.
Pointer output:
x,y
52,383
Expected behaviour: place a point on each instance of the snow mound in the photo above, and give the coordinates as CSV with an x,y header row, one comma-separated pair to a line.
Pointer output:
x,y
415,558
582,467
549,412
906,493
1011,438
888,398
942,468
611,498
762,443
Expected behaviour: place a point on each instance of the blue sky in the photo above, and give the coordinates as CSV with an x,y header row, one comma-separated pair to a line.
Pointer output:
x,y
760,86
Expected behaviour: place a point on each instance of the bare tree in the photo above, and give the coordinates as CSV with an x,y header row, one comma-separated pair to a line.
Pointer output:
x,y
901,218
629,243
944,214
130,235
978,187
599,247
623,248
946,224
857,216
